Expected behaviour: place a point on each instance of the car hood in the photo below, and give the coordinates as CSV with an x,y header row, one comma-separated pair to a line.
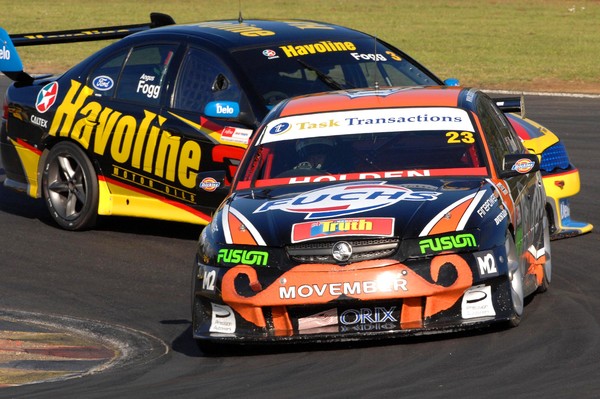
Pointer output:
x,y
405,209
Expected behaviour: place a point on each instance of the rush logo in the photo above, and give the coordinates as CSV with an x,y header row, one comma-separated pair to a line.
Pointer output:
x,y
342,227
346,199
142,145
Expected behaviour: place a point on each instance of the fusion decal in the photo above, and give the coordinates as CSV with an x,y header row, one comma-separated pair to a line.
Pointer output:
x,y
241,256
438,244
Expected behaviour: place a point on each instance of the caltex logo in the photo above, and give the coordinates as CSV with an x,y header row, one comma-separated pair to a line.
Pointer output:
x,y
46,97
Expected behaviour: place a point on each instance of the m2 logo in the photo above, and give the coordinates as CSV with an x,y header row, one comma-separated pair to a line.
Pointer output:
x,y
209,278
486,264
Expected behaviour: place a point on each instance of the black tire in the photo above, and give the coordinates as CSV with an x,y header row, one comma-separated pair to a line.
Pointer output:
x,y
70,187
548,265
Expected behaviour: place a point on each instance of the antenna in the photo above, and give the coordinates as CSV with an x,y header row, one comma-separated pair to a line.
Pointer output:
x,y
240,18
376,83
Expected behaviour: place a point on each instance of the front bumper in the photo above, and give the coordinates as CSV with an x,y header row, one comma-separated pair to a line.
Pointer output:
x,y
559,188
372,299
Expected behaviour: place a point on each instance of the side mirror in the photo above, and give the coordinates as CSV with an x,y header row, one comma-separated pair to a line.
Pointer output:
x,y
519,164
452,82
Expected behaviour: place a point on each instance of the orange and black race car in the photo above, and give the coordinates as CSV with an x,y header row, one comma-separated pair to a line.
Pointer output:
x,y
126,131
374,213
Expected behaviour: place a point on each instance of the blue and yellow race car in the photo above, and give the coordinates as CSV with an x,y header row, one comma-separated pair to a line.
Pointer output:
x,y
127,130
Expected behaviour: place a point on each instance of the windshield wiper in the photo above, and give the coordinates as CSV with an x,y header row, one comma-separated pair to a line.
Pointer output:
x,y
328,80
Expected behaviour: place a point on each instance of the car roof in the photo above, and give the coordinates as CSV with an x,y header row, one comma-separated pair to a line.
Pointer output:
x,y
230,34
442,96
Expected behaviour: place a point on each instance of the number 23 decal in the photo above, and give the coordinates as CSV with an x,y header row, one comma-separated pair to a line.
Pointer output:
x,y
462,137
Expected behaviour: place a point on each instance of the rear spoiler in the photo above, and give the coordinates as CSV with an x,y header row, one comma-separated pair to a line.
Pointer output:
x,y
90,34
511,104
10,63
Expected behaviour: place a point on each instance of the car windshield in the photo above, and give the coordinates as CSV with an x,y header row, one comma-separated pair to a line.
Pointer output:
x,y
364,144
289,70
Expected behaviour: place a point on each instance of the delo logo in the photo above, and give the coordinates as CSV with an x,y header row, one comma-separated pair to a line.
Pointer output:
x,y
4,53
9,59
222,109
103,83
46,97
346,199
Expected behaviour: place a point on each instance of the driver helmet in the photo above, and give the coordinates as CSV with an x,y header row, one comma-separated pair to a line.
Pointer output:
x,y
318,145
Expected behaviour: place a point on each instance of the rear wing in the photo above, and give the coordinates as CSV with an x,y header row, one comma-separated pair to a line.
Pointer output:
x,y
11,65
511,104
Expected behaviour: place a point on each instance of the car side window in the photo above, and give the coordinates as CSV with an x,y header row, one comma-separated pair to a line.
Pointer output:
x,y
203,78
142,77
104,77
498,133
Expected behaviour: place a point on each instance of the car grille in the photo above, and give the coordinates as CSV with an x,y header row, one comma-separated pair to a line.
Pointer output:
x,y
321,252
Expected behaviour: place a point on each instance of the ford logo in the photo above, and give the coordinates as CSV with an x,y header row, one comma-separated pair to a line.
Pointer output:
x,y
103,83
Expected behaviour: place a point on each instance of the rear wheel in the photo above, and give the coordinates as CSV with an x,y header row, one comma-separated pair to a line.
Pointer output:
x,y
516,281
70,187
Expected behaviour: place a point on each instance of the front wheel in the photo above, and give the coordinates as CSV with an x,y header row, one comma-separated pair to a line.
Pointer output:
x,y
548,252
517,295
70,187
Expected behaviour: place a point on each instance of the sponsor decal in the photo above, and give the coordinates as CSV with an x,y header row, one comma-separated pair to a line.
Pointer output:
x,y
242,256
223,319
46,97
393,284
368,57
373,121
322,319
36,120
4,53
208,275
438,244
369,319
360,176
222,109
240,28
209,184
523,165
486,264
487,204
342,227
149,89
280,128
366,315
325,46
503,214
270,54
102,83
236,135
565,210
477,302
346,199
143,153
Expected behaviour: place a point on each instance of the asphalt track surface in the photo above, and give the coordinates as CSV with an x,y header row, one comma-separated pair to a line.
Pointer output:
x,y
129,281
